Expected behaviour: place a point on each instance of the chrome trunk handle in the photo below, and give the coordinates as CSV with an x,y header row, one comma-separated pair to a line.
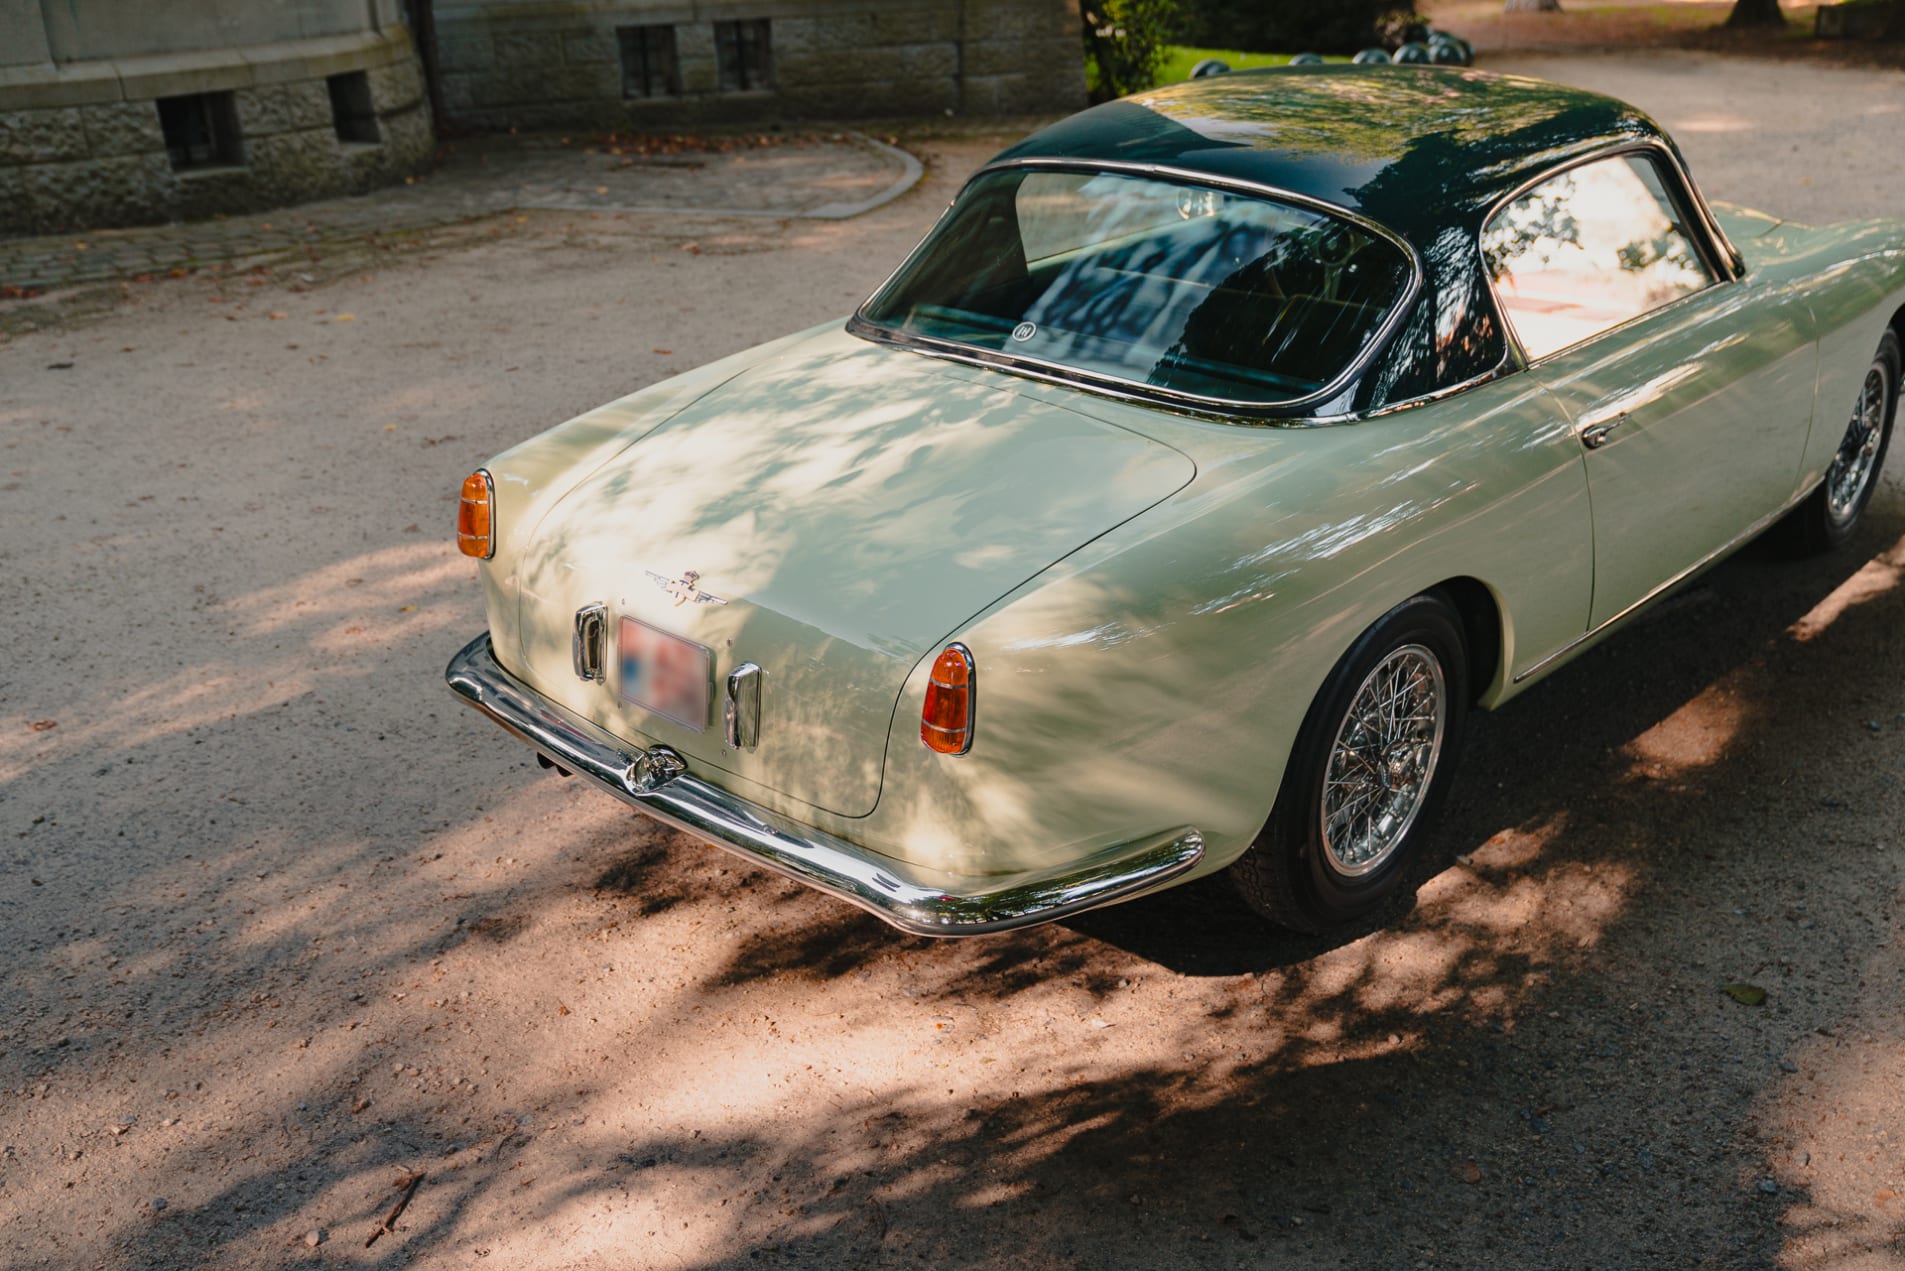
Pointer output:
x,y
741,716
585,649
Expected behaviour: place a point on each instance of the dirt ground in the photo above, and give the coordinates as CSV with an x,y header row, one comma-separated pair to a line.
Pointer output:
x,y
281,923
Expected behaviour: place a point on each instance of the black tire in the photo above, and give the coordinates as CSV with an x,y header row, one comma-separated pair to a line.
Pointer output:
x,y
1826,519
1291,874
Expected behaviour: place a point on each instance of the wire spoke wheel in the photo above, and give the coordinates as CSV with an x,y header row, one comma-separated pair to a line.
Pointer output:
x,y
1383,760
1366,773
1853,467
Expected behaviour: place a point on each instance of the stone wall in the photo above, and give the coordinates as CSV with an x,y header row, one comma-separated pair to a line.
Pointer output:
x,y
81,140
556,63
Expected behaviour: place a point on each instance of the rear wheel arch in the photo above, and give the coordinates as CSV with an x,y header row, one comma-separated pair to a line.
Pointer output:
x,y
1483,629
1295,871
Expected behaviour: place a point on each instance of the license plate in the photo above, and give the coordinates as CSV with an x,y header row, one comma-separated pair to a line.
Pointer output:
x,y
664,673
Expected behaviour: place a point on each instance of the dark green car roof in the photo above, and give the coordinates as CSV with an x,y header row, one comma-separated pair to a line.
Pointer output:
x,y
1419,149
1423,151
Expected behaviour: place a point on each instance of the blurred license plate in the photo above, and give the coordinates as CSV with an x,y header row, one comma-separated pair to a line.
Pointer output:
x,y
664,674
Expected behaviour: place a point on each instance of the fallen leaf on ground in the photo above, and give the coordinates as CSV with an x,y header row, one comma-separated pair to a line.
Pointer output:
x,y
1746,994
1467,1172
43,725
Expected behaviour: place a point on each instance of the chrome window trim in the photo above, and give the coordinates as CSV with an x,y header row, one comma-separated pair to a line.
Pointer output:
x,y
1509,365
1131,390
1724,266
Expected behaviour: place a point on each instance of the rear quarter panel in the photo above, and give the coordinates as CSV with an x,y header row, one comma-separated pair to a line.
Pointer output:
x,y
1853,277
1157,677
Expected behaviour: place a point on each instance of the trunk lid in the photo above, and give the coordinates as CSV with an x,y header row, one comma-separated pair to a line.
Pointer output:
x,y
852,505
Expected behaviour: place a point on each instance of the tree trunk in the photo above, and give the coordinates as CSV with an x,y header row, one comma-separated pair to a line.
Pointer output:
x,y
1531,6
1756,13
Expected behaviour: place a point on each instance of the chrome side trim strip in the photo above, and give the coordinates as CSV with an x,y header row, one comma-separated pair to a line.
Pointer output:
x,y
1712,558
916,900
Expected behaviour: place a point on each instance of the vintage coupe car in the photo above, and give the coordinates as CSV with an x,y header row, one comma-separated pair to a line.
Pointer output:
x,y
1170,506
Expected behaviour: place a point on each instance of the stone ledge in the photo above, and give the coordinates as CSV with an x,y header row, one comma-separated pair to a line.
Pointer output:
x,y
169,74
50,87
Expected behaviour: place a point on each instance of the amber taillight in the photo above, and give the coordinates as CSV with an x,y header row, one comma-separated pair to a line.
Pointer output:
x,y
945,724
474,517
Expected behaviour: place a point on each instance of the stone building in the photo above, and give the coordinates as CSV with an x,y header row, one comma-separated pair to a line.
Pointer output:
x,y
663,63
115,112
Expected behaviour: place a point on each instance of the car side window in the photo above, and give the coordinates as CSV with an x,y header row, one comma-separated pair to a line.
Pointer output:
x,y
1587,250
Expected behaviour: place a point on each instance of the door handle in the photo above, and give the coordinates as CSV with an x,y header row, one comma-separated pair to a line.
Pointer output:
x,y
1596,435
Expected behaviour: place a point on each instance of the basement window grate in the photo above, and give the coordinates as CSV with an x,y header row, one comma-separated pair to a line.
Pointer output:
x,y
744,55
201,130
352,114
650,67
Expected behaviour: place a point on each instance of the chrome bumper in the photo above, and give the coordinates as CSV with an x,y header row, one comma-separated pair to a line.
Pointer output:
x,y
924,902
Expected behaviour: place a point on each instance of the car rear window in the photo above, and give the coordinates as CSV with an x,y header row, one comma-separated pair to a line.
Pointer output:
x,y
1181,287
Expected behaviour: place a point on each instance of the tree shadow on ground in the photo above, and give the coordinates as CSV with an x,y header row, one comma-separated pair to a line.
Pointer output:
x,y
1171,1083
1623,842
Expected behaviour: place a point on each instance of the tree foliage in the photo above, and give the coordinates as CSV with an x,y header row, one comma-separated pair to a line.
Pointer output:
x,y
1125,43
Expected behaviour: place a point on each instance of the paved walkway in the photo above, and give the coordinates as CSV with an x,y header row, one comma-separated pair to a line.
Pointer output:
x,y
819,176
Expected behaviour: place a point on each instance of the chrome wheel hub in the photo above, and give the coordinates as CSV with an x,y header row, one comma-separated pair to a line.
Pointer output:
x,y
1853,467
1383,760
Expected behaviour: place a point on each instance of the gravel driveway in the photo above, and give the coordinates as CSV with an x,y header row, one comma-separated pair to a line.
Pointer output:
x,y
281,924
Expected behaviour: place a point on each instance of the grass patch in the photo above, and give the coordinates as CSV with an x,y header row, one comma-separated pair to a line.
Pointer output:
x,y
1180,58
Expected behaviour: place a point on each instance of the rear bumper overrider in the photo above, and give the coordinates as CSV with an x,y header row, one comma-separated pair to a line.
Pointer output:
x,y
917,900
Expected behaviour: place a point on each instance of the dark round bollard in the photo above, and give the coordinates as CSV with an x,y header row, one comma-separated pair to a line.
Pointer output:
x,y
1446,53
1413,53
1372,57
1209,66
1307,59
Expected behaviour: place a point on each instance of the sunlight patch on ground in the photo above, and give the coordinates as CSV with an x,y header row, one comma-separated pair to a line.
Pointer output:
x,y
1713,122
1695,736
1876,577
373,587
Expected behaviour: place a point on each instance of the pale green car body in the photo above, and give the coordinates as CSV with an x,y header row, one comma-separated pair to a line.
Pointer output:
x,y
1153,597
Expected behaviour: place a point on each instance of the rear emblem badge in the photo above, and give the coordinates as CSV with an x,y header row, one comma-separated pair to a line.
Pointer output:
x,y
683,589
1024,331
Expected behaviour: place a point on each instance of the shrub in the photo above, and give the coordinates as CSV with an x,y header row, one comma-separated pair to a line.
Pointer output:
x,y
1125,43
